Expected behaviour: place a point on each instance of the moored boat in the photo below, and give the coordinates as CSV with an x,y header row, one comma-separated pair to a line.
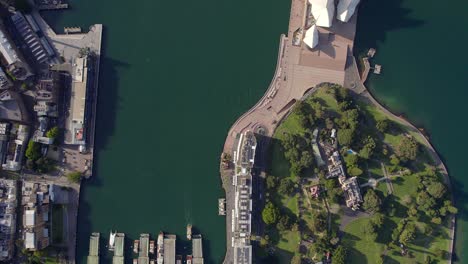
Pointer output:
x,y
112,240
178,259
151,247
135,261
189,232
160,248
135,245
189,259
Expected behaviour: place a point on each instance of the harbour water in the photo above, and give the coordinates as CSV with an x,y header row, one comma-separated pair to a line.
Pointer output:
x,y
421,46
174,76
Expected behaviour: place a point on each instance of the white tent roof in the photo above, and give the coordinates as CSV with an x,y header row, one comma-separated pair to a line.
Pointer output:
x,y
30,217
311,37
346,9
323,11
29,241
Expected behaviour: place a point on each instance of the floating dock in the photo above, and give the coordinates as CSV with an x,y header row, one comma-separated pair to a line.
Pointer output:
x,y
169,249
143,250
378,69
119,249
197,249
371,53
221,206
93,257
71,30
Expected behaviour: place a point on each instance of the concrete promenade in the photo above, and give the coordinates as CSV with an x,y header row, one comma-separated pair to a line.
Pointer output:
x,y
298,70
69,46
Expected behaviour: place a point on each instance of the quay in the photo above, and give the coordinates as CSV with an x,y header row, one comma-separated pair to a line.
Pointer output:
x,y
118,257
93,257
169,249
143,250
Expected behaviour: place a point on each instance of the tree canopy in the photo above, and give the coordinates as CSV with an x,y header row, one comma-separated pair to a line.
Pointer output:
x,y
33,151
339,255
371,201
407,149
270,214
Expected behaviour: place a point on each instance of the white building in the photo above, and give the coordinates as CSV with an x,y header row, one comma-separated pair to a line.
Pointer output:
x,y
311,37
346,9
323,12
7,49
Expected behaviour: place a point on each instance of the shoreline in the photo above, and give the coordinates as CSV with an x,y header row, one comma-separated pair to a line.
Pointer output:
x,y
352,77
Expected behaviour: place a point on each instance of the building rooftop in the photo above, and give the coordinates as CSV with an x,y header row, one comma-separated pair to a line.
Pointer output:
x,y
7,50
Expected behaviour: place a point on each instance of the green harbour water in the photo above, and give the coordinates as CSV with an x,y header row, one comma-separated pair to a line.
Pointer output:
x,y
176,74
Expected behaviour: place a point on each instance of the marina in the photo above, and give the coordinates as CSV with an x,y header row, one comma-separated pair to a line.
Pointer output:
x,y
144,251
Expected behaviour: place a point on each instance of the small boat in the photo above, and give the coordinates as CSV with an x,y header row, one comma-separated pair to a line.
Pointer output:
x,y
189,259
189,232
151,247
152,261
135,245
135,261
160,248
112,240
178,259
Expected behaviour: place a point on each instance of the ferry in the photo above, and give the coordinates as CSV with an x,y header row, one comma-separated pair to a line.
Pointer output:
x,y
160,248
135,245
112,240
189,259
178,259
189,232
151,247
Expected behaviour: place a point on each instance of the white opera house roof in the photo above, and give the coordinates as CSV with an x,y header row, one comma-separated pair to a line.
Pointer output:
x,y
323,11
311,37
346,9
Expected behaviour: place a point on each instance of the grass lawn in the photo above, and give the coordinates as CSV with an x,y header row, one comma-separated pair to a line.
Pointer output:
x,y
361,250
58,212
289,241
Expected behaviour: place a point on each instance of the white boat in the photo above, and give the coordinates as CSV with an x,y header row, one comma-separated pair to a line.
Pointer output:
x,y
189,259
160,248
151,247
189,232
136,243
112,241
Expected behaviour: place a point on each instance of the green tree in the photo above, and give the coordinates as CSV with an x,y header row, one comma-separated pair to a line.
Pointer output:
x,y
286,187
33,151
368,149
436,190
53,132
345,136
372,201
408,234
270,214
339,255
271,182
296,259
383,125
351,160
283,223
74,177
407,149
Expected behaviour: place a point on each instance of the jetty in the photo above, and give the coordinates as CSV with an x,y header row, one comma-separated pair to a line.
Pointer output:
x,y
93,257
169,249
143,250
119,249
197,250
221,206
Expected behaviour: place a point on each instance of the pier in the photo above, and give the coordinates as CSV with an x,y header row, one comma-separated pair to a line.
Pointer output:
x,y
169,249
93,257
377,69
197,249
119,249
143,250
50,5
